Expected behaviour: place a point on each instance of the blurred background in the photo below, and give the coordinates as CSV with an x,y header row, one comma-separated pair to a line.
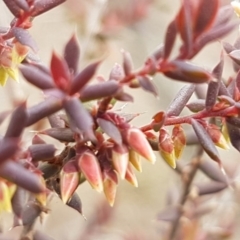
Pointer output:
x,y
103,28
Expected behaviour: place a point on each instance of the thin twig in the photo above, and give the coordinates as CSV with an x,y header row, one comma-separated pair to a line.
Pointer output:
x,y
187,180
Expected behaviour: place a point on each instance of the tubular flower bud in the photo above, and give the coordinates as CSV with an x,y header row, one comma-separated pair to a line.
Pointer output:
x,y
130,176
166,148
90,167
135,160
69,180
217,136
138,142
110,186
120,159
179,140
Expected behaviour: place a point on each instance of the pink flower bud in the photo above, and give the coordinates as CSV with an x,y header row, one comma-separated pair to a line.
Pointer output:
x,y
90,167
138,142
120,159
166,148
69,180
110,186
130,176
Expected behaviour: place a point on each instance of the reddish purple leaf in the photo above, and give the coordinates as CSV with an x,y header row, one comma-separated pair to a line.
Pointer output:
x,y
146,83
25,38
23,4
42,6
17,122
206,14
212,170
127,63
8,147
116,73
71,54
61,134
31,212
111,130
234,132
41,152
224,15
83,78
60,72
19,201
42,110
196,105
56,121
212,93
210,187
169,41
75,203
213,35
122,96
187,72
99,90
180,101
13,7
80,117
17,174
206,141
49,170
184,21
37,77
218,69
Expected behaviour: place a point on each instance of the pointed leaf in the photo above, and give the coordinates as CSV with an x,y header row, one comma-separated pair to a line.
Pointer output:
x,y
206,14
19,201
75,203
60,72
41,152
210,187
170,38
130,175
180,101
13,7
83,78
212,171
42,6
8,147
206,141
187,72
17,122
196,105
80,117
42,110
98,91
15,173
212,93
61,134
37,77
24,38
127,63
110,129
146,83
72,53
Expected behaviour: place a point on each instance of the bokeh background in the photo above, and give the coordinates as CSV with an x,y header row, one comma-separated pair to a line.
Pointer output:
x,y
103,28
